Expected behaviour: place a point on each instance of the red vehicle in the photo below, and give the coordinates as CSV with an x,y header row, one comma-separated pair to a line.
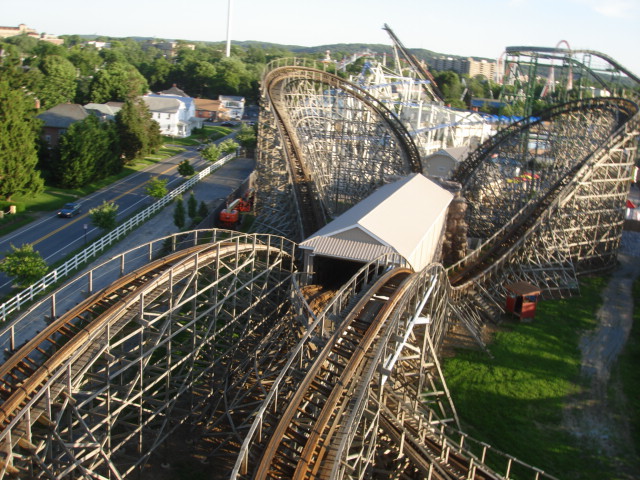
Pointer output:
x,y
230,216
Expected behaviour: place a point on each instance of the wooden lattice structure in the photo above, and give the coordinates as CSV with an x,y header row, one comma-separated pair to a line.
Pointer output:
x,y
214,344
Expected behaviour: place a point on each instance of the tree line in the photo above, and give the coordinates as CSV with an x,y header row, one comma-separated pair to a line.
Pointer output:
x,y
37,75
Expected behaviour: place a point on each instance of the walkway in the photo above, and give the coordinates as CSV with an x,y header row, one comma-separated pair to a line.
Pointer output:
x,y
590,416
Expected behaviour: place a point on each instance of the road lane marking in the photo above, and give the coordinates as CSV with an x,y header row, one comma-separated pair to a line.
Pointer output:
x,y
85,215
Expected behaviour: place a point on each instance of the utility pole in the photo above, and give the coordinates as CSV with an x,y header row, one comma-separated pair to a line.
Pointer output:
x,y
229,30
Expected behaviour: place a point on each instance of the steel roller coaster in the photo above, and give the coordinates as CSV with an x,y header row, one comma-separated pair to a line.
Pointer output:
x,y
222,352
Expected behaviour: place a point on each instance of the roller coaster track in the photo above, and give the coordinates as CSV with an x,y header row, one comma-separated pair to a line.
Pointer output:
x,y
561,53
501,245
327,181
214,354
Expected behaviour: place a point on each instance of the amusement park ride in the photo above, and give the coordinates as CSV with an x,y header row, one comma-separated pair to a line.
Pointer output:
x,y
225,352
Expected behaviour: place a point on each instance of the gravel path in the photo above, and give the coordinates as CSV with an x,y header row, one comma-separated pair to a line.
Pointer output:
x,y
590,416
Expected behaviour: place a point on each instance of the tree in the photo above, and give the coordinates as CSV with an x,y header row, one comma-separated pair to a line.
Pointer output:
x,y
24,264
118,81
192,206
231,76
229,146
196,77
105,216
247,137
157,73
156,188
86,58
58,84
11,69
186,169
450,86
139,133
87,151
211,152
203,211
18,140
179,218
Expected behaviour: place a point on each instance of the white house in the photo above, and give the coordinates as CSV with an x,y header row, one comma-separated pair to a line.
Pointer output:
x,y
170,115
442,163
175,114
235,105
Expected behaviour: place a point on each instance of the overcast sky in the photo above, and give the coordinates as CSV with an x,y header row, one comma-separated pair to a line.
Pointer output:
x,y
460,27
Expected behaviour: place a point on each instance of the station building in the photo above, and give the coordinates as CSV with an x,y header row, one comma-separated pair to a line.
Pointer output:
x,y
406,218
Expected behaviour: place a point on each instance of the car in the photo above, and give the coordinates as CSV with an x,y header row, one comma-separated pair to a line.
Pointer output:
x,y
69,210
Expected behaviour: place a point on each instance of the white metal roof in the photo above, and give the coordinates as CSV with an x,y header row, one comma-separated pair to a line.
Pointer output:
x,y
398,215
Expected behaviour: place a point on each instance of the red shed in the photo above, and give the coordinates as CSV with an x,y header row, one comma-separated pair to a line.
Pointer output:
x,y
522,298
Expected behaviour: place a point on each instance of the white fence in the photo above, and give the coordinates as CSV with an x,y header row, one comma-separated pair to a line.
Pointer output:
x,y
27,295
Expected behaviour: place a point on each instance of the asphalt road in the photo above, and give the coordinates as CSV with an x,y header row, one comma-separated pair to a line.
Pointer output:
x,y
55,237
213,190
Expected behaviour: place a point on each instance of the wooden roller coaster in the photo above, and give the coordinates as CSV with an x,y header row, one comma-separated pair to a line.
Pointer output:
x,y
213,340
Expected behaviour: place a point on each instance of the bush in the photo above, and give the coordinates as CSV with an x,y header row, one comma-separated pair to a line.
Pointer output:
x,y
24,264
105,216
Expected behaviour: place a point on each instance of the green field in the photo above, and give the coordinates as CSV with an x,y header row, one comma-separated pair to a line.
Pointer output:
x,y
514,401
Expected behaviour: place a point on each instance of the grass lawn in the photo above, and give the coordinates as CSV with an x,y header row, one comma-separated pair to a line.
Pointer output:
x,y
208,133
514,401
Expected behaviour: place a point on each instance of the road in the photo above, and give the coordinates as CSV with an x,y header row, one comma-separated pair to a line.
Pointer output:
x,y
108,267
55,238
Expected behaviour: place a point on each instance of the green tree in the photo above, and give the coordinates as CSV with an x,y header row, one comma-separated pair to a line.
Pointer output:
x,y
24,42
18,140
211,152
228,146
203,211
86,58
192,206
87,151
156,187
58,84
24,264
139,133
247,137
186,169
118,81
11,69
232,76
105,216
197,77
450,86
157,73
179,217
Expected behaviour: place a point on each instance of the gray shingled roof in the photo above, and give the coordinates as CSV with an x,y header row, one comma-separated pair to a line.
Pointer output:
x,y
162,104
63,115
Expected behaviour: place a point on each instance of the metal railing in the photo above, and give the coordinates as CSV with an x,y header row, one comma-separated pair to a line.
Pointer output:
x,y
29,294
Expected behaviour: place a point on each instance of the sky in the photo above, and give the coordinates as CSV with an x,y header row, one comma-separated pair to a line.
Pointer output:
x,y
481,28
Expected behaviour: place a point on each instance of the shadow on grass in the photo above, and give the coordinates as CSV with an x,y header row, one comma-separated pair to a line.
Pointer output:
x,y
515,400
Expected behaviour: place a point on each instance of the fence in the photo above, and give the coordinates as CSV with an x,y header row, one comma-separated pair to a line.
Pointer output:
x,y
27,295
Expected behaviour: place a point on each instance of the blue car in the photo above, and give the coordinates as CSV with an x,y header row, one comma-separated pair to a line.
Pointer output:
x,y
69,210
